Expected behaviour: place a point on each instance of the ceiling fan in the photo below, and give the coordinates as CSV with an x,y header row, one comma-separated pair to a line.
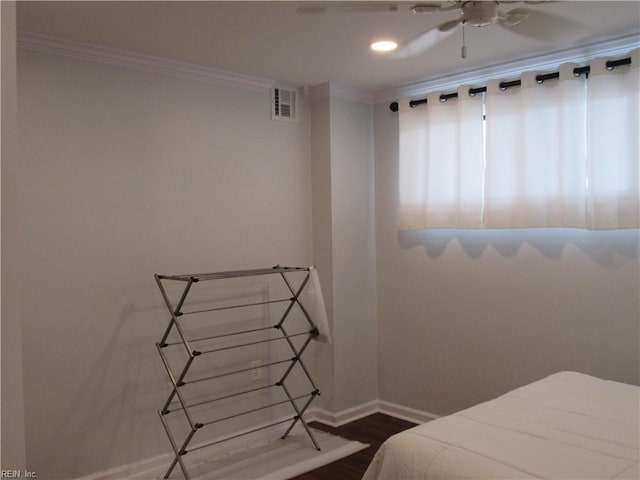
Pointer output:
x,y
477,14
472,13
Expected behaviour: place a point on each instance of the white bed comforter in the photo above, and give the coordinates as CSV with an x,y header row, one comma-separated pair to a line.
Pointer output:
x,y
566,426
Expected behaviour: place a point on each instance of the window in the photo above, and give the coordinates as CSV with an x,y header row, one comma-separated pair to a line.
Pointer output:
x,y
558,150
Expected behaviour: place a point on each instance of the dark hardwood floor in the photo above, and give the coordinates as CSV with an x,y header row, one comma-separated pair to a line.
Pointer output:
x,y
373,430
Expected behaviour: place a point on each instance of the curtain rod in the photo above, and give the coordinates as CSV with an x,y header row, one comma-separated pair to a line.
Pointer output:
x,y
611,64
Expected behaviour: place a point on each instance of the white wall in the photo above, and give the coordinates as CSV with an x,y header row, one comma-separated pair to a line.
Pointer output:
x,y
467,315
123,174
12,423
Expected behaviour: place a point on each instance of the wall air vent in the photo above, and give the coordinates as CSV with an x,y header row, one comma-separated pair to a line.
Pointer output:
x,y
283,104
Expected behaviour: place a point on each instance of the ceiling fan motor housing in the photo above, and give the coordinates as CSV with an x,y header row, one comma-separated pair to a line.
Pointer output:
x,y
479,14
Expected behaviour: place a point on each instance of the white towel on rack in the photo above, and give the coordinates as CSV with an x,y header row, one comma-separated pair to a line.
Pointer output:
x,y
311,298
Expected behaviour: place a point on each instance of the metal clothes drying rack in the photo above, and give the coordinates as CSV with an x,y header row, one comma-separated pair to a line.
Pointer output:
x,y
177,375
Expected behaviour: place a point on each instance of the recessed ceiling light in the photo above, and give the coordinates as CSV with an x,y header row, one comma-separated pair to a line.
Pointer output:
x,y
384,46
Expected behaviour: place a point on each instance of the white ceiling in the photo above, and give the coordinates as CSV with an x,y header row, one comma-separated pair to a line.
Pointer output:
x,y
280,41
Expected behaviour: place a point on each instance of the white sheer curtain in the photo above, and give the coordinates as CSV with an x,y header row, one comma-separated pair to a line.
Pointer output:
x,y
562,153
536,153
614,144
441,163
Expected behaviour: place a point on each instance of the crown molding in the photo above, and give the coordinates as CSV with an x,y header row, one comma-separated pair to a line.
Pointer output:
x,y
58,46
86,51
547,62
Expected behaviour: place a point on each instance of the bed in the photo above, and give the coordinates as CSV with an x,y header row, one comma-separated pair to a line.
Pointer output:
x,y
566,426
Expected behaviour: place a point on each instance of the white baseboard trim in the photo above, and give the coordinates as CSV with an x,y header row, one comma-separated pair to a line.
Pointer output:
x,y
332,419
405,413
376,406
164,459
124,471
336,419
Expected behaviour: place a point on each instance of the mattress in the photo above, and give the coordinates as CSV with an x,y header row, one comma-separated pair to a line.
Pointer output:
x,y
566,426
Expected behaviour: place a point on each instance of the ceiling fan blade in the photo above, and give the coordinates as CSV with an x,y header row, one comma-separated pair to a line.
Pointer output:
x,y
530,2
362,7
543,26
422,43
513,17
450,25
428,7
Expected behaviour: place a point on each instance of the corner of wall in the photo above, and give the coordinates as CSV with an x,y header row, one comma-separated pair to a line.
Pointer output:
x,y
333,90
344,246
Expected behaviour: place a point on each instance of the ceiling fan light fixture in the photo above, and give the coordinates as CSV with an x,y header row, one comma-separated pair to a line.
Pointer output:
x,y
383,46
